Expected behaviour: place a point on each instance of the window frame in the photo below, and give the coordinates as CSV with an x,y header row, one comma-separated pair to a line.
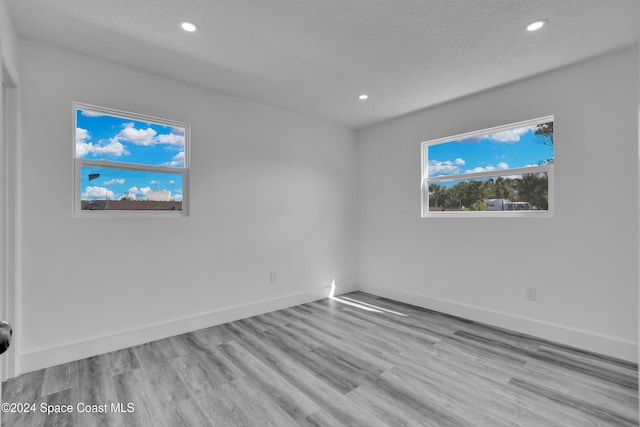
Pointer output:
x,y
426,180
78,163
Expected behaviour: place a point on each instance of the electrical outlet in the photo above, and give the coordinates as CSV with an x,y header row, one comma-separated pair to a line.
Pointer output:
x,y
274,277
531,293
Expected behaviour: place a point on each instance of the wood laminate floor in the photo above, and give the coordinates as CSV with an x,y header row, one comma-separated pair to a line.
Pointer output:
x,y
328,363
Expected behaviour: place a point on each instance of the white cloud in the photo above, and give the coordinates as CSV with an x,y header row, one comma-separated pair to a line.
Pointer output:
x,y
131,193
82,147
82,135
95,192
501,166
114,148
149,136
172,181
136,192
177,197
137,136
177,161
85,147
144,190
511,135
172,139
90,113
481,169
115,181
438,168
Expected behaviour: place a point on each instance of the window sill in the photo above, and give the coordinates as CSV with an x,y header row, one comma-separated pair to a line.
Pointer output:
x,y
494,214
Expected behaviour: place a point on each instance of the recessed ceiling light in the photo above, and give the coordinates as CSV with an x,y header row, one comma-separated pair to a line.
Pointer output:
x,y
536,25
189,26
363,97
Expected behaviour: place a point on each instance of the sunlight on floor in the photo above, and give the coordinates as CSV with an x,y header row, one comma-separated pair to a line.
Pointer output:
x,y
359,304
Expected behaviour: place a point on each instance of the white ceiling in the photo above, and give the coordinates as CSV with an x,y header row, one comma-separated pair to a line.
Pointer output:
x,y
316,56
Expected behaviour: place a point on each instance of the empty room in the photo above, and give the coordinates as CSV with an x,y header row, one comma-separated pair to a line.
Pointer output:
x,y
319,213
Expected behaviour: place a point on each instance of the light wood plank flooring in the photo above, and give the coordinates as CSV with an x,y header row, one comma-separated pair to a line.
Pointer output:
x,y
328,363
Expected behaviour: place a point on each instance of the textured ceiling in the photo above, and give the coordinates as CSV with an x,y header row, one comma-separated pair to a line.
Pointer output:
x,y
316,56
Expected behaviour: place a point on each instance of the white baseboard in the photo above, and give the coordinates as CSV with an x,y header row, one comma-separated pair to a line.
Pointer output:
x,y
69,352
586,340
345,289
51,356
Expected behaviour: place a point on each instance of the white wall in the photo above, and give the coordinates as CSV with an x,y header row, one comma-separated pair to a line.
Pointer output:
x,y
271,191
583,260
8,40
9,133
275,191
638,255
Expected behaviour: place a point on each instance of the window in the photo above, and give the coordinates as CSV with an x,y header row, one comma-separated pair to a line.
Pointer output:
x,y
502,171
128,162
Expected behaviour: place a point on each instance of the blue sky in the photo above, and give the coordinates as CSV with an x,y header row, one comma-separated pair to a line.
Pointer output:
x,y
513,148
104,137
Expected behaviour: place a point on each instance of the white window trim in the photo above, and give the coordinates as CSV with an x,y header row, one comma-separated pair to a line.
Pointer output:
x,y
426,180
78,163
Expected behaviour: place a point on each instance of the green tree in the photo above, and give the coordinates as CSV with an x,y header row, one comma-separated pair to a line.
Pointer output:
x,y
469,192
437,195
453,198
533,188
503,188
546,130
480,205
489,189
